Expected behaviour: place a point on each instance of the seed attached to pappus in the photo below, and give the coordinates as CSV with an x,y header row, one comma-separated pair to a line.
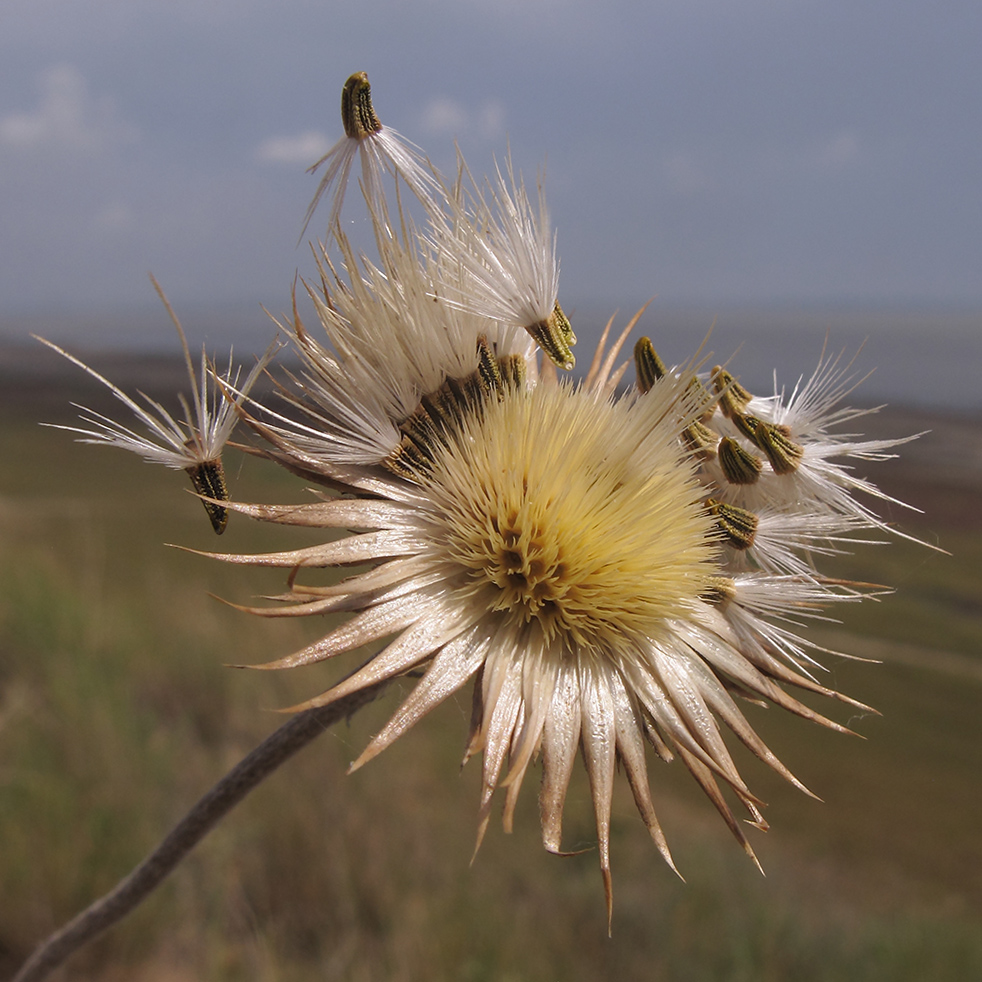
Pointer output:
x,y
208,479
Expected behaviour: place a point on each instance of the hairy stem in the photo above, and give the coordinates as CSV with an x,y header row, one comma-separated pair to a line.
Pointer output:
x,y
251,771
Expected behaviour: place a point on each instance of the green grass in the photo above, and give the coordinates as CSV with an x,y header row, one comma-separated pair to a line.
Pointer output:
x,y
116,712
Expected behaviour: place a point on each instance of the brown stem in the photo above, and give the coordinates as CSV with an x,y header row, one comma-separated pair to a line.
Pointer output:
x,y
292,736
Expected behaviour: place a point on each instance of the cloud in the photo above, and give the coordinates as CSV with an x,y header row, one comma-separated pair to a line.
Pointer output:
x,y
114,218
838,151
685,175
67,116
445,116
491,119
304,148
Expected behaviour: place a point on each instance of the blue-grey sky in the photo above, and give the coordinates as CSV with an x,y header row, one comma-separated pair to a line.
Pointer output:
x,y
707,151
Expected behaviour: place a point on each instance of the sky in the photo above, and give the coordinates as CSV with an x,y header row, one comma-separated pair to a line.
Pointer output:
x,y
707,152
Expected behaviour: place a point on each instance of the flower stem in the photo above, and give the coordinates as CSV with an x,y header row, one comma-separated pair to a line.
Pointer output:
x,y
251,771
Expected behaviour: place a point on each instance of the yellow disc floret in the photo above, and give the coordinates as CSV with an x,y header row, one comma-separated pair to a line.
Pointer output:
x,y
582,517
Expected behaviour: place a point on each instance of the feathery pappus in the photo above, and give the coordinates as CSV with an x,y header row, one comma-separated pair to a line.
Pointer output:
x,y
193,444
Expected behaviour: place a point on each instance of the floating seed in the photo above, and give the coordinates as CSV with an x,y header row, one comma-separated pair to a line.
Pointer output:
x,y
357,112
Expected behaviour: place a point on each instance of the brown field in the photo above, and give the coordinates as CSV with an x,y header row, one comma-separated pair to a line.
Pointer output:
x,y
116,713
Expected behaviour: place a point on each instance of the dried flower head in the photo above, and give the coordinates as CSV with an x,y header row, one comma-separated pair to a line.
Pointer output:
x,y
193,444
608,568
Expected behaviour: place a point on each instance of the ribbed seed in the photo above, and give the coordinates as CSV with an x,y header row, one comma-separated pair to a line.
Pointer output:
x,y
487,366
733,397
700,439
701,398
555,337
739,465
357,112
441,413
738,525
783,453
563,324
720,590
443,409
746,424
512,368
648,367
466,392
208,479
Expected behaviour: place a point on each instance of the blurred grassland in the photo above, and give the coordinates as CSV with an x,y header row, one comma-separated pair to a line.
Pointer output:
x,y
116,713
